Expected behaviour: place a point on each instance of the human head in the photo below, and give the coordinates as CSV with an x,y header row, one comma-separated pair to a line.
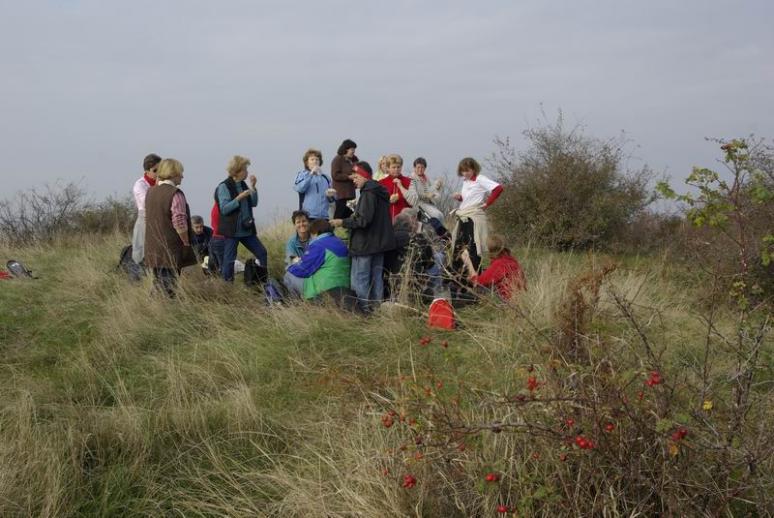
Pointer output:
x,y
381,165
312,153
468,167
362,173
420,165
149,164
495,244
300,219
170,169
345,147
237,168
197,223
320,226
406,220
394,165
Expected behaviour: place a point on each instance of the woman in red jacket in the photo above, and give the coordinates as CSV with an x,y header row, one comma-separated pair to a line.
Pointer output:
x,y
504,273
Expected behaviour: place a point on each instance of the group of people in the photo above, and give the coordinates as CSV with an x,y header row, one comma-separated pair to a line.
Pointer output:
x,y
391,225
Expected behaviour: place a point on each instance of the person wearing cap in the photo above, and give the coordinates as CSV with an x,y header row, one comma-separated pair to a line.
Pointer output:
x,y
371,235
139,191
341,172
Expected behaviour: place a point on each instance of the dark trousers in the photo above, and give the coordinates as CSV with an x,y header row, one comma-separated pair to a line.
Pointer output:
x,y
465,239
165,281
230,253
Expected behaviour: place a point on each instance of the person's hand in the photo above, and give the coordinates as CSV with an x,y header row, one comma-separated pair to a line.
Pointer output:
x,y
330,193
336,223
242,195
394,198
295,260
396,181
457,196
316,170
438,183
252,181
465,255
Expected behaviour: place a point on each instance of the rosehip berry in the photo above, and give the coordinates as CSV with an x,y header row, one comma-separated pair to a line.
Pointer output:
x,y
492,477
570,422
409,481
419,455
640,395
502,509
387,421
532,383
563,457
536,456
679,434
609,427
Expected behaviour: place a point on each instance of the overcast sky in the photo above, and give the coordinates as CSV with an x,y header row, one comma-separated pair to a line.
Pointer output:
x,y
88,88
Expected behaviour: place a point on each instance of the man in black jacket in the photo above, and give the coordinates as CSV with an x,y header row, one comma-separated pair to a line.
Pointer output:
x,y
371,234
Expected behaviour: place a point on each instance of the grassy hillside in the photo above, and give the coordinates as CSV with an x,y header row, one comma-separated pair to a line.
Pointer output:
x,y
113,402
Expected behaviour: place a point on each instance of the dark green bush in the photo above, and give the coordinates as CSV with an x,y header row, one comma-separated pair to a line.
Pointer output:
x,y
567,190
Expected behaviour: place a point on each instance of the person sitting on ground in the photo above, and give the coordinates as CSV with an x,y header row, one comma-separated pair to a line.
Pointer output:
x,y
139,191
395,183
413,255
371,235
324,267
314,187
168,234
236,223
504,273
296,245
201,238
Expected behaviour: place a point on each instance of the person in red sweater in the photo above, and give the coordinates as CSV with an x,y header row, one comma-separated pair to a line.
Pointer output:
x,y
395,177
504,273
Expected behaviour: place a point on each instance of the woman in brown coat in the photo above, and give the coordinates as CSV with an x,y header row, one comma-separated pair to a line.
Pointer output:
x,y
341,170
168,232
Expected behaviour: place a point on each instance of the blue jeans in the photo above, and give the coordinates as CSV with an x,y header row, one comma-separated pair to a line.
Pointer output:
x,y
366,278
217,248
252,243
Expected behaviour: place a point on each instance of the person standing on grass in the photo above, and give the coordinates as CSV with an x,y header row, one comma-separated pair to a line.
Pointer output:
x,y
423,195
396,184
297,244
371,235
139,191
236,201
314,187
168,234
471,226
341,172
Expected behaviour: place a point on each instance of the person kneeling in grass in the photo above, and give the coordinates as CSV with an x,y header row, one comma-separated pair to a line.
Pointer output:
x,y
504,273
324,267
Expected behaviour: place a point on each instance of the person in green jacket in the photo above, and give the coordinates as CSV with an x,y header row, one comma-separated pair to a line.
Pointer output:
x,y
323,267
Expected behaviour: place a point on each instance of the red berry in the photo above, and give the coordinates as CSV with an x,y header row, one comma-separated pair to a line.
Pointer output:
x,y
563,457
532,383
409,481
570,422
492,477
679,434
419,455
640,395
502,509
609,427
536,456
385,472
387,420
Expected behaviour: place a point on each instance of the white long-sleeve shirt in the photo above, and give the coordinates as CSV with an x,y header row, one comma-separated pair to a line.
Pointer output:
x,y
139,191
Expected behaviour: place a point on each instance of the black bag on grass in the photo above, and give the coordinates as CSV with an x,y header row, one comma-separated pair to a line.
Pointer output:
x,y
255,274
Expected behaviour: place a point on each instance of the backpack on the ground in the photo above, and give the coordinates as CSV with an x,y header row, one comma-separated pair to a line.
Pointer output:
x,y
18,270
273,292
127,265
255,274
441,315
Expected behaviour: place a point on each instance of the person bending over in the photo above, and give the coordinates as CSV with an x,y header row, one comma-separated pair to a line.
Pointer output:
x,y
504,274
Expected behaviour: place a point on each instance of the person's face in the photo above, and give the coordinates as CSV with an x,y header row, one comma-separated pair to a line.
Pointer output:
x,y
468,174
312,162
178,179
198,228
153,172
394,169
350,152
302,225
241,175
359,180
419,170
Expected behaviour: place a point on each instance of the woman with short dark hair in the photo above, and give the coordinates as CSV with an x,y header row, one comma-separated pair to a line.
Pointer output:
x,y
341,171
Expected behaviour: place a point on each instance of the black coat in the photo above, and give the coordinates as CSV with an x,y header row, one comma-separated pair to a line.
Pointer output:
x,y
370,225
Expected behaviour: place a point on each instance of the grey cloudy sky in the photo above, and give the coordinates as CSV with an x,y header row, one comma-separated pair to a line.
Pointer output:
x,y
89,87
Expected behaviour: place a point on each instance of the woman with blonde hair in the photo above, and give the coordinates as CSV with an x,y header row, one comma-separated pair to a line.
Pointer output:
x,y
236,223
168,233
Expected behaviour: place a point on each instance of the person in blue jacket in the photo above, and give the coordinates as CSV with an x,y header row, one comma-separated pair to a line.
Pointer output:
x,y
236,200
313,187
324,266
